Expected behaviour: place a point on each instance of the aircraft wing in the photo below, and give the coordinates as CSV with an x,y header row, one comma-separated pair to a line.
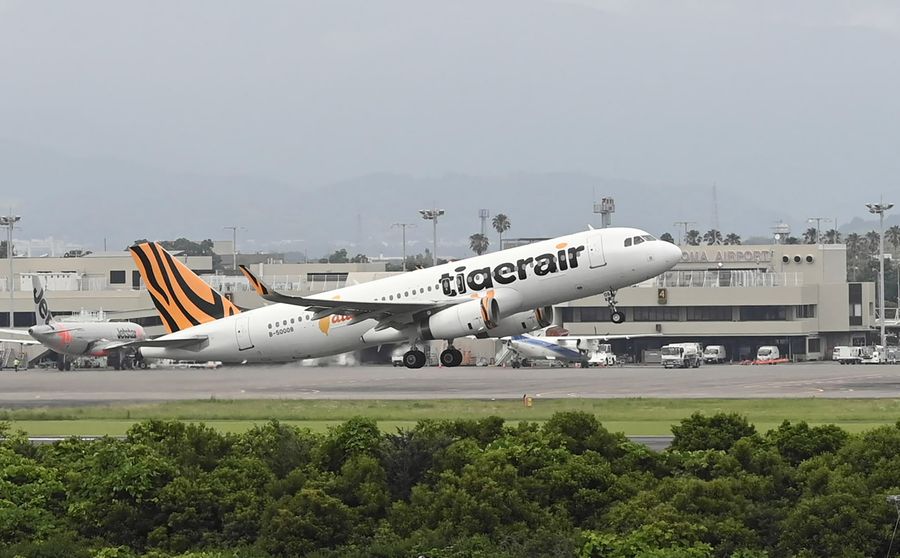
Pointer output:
x,y
180,343
22,341
14,332
395,312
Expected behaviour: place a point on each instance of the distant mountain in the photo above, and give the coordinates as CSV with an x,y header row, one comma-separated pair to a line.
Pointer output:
x,y
86,200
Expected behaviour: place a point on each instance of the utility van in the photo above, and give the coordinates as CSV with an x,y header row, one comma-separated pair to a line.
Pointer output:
x,y
714,354
847,355
768,352
681,355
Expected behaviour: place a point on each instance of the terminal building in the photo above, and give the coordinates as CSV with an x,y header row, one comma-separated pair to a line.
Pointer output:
x,y
793,296
796,297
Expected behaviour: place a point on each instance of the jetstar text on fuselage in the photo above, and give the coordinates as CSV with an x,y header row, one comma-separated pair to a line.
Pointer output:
x,y
509,272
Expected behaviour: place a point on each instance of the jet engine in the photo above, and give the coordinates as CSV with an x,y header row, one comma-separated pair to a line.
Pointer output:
x,y
466,318
522,322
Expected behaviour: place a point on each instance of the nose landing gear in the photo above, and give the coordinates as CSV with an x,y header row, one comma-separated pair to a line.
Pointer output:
x,y
617,317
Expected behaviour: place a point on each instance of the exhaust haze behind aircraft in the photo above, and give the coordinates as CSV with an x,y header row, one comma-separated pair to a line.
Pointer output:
x,y
495,295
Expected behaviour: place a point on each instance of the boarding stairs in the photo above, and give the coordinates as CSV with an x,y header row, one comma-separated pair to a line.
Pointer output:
x,y
505,356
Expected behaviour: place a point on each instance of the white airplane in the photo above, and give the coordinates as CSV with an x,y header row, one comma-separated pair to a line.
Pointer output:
x,y
588,350
69,339
494,295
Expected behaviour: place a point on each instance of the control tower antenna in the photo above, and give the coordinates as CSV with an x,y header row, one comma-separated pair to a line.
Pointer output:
x,y
483,214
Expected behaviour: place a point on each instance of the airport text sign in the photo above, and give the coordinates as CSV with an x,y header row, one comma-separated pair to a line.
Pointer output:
x,y
700,256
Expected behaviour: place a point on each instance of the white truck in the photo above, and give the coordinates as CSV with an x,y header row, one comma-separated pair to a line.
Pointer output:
x,y
715,354
847,355
767,353
878,355
681,355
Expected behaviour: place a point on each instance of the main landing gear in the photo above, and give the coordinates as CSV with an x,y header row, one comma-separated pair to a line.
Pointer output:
x,y
451,357
414,358
616,317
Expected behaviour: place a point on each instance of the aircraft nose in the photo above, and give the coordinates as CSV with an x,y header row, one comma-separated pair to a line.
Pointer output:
x,y
671,254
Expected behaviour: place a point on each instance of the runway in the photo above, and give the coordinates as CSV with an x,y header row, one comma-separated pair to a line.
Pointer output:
x,y
827,380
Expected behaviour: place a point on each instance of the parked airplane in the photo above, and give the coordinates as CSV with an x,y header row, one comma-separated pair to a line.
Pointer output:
x,y
71,339
494,295
588,350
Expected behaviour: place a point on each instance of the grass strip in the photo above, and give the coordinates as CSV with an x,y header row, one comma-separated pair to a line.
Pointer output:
x,y
631,416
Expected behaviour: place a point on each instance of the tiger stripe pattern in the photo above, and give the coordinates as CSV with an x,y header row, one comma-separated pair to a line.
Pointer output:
x,y
182,298
257,285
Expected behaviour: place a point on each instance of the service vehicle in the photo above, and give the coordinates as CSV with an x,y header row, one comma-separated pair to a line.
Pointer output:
x,y
681,355
847,355
714,354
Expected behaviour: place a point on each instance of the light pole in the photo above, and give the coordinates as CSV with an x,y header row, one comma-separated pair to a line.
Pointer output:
x,y
9,221
403,226
684,224
234,230
432,215
879,209
818,222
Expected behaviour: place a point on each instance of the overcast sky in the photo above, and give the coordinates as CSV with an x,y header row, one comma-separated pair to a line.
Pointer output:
x,y
793,101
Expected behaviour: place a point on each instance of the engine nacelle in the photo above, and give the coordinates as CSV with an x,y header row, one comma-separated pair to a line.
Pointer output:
x,y
500,304
522,322
466,318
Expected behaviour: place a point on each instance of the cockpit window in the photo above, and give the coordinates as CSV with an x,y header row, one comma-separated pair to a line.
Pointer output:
x,y
647,237
638,240
627,242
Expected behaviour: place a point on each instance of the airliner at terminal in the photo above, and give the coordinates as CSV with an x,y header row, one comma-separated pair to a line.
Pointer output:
x,y
495,295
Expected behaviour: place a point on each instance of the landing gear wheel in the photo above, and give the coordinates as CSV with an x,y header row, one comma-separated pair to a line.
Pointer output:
x,y
616,317
61,365
451,357
414,359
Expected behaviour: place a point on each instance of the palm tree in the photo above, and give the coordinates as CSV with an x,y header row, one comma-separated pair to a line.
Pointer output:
x,y
479,243
833,236
692,238
501,224
854,244
892,235
712,236
732,238
667,237
871,242
811,236
792,240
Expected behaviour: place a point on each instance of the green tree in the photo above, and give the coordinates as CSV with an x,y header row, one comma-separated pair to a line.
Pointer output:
x,y
693,238
667,237
832,236
712,236
719,432
359,258
810,236
501,224
798,442
478,243
732,239
892,235
309,521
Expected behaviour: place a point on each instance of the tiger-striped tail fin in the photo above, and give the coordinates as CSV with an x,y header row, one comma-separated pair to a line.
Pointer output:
x,y
261,288
182,298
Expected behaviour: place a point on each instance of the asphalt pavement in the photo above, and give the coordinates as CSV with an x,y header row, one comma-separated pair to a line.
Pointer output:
x,y
829,380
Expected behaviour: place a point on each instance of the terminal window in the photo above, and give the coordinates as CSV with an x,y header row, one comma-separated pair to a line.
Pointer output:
x,y
709,313
806,311
763,313
654,314
117,277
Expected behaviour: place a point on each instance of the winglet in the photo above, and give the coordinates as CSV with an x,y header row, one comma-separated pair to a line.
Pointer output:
x,y
261,288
